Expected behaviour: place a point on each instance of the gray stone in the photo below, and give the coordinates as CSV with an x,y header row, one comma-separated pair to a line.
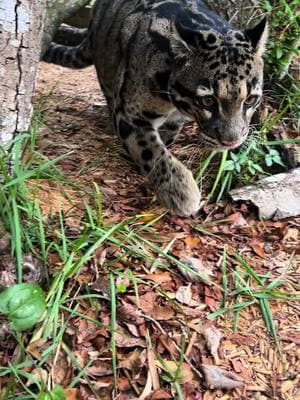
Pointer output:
x,y
276,196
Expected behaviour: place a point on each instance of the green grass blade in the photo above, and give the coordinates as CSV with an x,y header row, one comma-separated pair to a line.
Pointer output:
x,y
17,240
219,175
113,328
203,167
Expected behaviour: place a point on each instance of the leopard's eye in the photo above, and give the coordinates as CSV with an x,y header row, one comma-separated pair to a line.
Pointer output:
x,y
251,100
207,101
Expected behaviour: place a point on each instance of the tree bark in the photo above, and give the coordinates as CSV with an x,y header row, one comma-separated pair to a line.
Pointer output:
x,y
22,24
21,27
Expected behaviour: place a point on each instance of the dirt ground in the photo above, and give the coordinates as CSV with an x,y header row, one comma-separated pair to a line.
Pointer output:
x,y
76,120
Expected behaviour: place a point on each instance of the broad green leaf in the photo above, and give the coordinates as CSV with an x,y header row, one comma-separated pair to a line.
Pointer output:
x,y
279,53
229,165
57,393
258,168
268,160
273,152
121,288
233,156
277,160
23,304
251,170
243,158
238,168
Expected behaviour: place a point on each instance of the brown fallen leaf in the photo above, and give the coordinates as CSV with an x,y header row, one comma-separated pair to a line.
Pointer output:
x,y
130,313
185,372
36,348
210,299
159,278
123,384
212,337
193,312
216,378
291,240
191,391
191,242
169,344
123,340
195,268
100,368
61,371
147,389
236,220
148,303
4,242
258,247
73,394
153,369
162,313
184,295
160,395
38,375
133,329
132,361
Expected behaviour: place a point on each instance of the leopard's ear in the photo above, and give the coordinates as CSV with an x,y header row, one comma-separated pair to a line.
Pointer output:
x,y
182,44
258,36
194,39
187,34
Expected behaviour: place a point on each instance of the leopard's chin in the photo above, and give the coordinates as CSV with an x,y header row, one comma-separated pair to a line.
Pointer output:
x,y
223,146
230,146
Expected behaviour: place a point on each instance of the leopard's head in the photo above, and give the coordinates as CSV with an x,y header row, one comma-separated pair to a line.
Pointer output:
x,y
218,80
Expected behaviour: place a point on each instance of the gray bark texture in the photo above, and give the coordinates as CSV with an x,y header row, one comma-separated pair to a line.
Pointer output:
x,y
26,28
21,26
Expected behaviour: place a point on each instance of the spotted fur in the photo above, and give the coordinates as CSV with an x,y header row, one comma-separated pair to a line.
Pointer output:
x,y
161,62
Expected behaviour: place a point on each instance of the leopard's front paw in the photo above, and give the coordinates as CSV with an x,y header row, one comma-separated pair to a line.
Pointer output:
x,y
178,191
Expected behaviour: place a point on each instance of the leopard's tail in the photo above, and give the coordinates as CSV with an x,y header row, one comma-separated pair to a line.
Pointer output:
x,y
69,56
70,35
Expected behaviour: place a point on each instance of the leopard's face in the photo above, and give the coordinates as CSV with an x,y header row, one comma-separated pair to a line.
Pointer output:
x,y
221,88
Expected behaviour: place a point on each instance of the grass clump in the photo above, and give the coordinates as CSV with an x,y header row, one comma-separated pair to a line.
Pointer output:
x,y
250,288
32,234
283,45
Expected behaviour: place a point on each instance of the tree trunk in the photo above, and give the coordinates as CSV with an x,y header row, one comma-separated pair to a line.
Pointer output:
x,y
21,27
21,41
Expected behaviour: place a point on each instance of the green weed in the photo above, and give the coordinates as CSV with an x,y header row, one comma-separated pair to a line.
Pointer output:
x,y
250,288
284,19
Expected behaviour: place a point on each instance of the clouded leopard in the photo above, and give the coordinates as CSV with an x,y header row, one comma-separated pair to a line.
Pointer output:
x,y
160,63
